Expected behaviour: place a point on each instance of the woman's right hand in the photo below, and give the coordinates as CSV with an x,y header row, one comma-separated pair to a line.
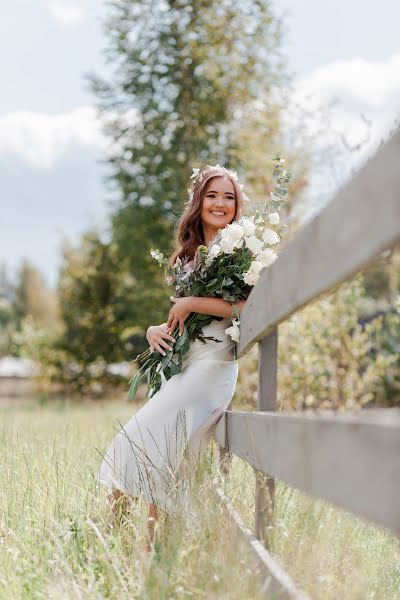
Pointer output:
x,y
157,336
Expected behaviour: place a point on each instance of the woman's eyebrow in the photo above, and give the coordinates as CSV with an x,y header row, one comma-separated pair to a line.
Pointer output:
x,y
214,192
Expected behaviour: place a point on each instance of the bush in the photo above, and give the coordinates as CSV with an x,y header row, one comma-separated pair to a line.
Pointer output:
x,y
328,359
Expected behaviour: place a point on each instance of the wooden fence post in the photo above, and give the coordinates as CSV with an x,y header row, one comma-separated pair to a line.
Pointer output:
x,y
266,400
224,460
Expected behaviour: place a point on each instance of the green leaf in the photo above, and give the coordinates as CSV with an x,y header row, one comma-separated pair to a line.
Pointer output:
x,y
227,281
167,358
136,381
175,368
280,191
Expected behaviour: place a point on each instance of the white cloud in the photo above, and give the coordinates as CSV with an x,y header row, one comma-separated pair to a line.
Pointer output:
x,y
71,12
357,91
41,139
339,114
67,13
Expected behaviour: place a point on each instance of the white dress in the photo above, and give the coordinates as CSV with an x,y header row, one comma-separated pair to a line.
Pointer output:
x,y
172,430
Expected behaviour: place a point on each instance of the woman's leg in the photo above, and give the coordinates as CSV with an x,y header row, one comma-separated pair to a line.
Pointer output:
x,y
155,514
151,522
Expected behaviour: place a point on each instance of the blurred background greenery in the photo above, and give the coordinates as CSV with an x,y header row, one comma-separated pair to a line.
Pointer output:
x,y
192,84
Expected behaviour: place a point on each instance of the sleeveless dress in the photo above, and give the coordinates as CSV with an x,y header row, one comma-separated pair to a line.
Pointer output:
x,y
171,431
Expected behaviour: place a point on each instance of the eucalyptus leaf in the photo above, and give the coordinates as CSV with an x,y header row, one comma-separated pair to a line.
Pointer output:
x,y
136,381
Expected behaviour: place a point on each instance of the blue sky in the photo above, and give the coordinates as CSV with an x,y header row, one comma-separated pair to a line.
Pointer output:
x,y
50,145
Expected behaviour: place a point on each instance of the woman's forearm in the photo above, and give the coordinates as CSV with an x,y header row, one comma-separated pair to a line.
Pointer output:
x,y
215,306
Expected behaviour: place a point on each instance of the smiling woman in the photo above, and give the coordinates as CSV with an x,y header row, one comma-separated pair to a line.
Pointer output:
x,y
171,431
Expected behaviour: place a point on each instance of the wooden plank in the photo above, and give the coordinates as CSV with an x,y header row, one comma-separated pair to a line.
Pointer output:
x,y
267,371
361,221
224,456
276,583
352,460
266,400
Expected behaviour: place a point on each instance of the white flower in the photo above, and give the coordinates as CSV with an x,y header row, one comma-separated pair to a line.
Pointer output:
x,y
252,275
267,257
249,227
215,251
227,245
234,330
156,254
273,218
233,230
270,236
254,244
195,172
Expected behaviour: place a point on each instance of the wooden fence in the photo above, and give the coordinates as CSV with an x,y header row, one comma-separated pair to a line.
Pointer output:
x,y
351,459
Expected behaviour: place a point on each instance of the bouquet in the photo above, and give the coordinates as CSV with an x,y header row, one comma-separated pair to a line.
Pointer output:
x,y
228,267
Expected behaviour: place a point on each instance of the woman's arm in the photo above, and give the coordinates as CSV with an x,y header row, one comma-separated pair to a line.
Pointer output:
x,y
214,306
182,308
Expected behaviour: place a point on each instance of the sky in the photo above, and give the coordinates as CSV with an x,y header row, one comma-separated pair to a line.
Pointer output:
x,y
51,147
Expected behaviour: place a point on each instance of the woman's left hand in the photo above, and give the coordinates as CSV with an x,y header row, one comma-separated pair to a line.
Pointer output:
x,y
179,312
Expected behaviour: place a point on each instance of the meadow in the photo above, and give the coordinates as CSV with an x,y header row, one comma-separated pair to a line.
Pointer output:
x,y
57,539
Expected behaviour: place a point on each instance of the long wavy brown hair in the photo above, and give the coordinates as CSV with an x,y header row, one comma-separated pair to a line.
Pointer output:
x,y
189,228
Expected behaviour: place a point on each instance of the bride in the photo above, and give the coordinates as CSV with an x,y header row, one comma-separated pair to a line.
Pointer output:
x,y
146,456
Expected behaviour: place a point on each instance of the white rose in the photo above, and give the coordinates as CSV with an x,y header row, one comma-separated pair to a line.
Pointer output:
x,y
252,275
233,230
215,250
250,278
270,236
254,244
267,257
273,218
227,245
256,266
249,227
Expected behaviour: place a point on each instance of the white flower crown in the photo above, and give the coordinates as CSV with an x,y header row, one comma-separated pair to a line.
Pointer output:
x,y
233,174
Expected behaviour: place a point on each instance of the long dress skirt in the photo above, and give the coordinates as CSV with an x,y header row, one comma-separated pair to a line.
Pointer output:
x,y
170,433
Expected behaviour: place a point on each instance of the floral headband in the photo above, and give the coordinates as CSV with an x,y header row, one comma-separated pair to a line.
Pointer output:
x,y
196,173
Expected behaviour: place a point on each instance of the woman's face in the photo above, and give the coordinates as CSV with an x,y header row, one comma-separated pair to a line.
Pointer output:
x,y
219,204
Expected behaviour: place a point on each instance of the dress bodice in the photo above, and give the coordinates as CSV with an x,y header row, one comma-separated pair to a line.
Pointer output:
x,y
211,350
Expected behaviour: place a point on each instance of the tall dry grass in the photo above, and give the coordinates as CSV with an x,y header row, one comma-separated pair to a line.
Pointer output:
x,y
56,539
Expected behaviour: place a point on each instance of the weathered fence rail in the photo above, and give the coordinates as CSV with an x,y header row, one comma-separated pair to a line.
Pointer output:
x,y
351,459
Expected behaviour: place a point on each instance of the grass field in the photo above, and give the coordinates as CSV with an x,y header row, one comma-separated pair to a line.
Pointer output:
x,y
56,540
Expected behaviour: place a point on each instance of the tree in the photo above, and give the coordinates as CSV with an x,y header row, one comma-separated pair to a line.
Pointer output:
x,y
91,287
182,72
34,299
7,312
